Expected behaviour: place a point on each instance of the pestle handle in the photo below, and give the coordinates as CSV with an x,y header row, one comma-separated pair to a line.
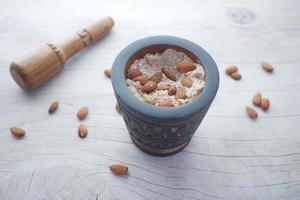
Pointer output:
x,y
32,71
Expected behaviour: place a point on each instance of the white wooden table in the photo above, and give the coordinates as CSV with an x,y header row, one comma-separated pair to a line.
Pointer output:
x,y
230,156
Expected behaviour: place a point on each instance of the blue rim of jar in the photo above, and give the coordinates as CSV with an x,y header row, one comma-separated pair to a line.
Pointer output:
x,y
161,115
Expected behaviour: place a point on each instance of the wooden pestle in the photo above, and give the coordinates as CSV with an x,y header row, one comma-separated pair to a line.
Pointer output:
x,y
32,71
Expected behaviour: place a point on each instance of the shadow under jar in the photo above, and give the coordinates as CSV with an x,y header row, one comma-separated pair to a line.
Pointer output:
x,y
158,130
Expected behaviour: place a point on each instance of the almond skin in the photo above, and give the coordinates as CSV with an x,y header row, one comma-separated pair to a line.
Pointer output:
x,y
82,112
142,79
251,112
82,131
166,103
187,82
156,77
180,93
267,66
133,73
163,86
256,100
236,76
149,86
119,169
172,90
185,66
265,104
18,132
107,73
53,107
231,69
118,109
150,101
169,73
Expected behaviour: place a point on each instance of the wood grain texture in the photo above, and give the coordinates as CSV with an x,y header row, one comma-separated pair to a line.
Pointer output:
x,y
230,156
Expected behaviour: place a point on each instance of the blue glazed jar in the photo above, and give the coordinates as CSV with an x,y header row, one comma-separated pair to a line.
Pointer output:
x,y
158,130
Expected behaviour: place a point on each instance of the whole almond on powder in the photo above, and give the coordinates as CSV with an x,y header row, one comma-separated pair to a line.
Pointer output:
x,y
236,76
142,79
251,112
82,112
267,66
149,86
172,90
149,101
119,169
231,69
265,104
133,73
256,100
163,86
107,73
18,132
166,103
180,93
118,109
187,82
185,66
53,107
82,131
156,77
169,73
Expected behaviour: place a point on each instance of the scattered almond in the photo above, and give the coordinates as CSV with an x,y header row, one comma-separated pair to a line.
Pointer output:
x,y
267,66
231,69
185,66
82,113
172,90
142,79
166,103
251,112
265,104
169,73
236,76
187,82
119,169
133,73
82,131
149,86
180,93
118,109
156,77
163,86
256,99
107,73
53,107
150,101
18,132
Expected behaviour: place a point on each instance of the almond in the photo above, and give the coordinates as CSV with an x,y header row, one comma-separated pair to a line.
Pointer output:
x,y
18,132
231,69
82,131
166,103
236,76
163,86
107,73
156,77
119,169
265,104
256,99
169,73
185,66
82,113
149,86
142,79
118,109
180,93
172,90
133,73
251,112
150,101
187,82
53,107
267,66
